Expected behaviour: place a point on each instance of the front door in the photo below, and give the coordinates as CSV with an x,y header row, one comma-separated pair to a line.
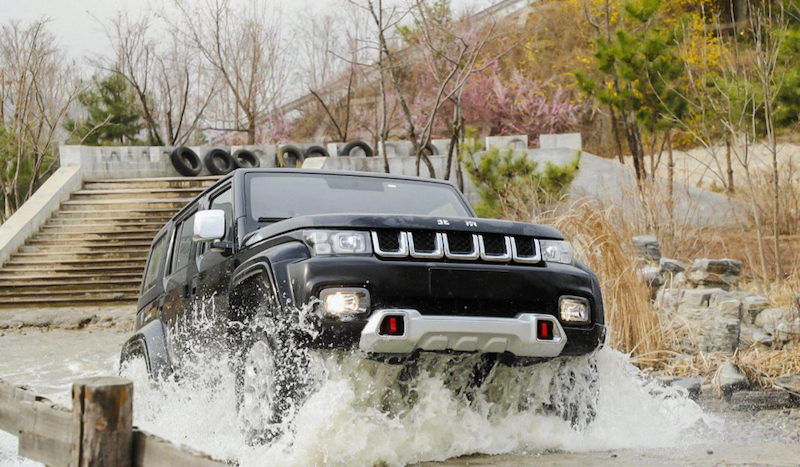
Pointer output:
x,y
214,266
178,289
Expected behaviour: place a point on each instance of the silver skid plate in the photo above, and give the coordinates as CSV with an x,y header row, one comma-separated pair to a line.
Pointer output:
x,y
463,334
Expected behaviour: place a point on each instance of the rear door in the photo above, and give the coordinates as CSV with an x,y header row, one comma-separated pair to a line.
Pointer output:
x,y
180,270
151,296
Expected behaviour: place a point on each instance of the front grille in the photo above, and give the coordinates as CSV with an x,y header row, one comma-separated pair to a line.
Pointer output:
x,y
460,243
389,240
424,240
525,246
494,245
458,246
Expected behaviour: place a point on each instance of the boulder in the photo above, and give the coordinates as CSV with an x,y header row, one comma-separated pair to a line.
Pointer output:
x,y
647,247
782,323
691,385
720,334
654,279
753,401
716,273
752,305
730,378
672,266
750,334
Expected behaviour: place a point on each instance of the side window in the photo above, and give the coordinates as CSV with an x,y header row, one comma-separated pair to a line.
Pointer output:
x,y
156,261
183,244
224,201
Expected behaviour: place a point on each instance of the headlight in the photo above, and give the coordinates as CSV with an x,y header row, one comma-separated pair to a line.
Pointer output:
x,y
343,303
556,252
338,242
573,310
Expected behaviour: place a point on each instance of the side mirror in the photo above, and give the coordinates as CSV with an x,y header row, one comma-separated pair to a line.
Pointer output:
x,y
209,225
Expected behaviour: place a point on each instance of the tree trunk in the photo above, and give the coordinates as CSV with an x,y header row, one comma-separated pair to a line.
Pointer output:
x,y
615,131
731,188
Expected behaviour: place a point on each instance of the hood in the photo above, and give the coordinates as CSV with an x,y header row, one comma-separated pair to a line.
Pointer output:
x,y
404,222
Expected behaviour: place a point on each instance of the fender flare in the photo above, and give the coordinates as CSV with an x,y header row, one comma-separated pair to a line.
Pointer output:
x,y
152,340
273,263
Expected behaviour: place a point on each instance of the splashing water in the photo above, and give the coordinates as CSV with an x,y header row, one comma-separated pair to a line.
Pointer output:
x,y
363,413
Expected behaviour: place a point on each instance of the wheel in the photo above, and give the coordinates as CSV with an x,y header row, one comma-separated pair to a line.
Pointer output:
x,y
573,392
289,151
430,149
186,162
273,382
245,159
219,162
257,393
316,151
348,148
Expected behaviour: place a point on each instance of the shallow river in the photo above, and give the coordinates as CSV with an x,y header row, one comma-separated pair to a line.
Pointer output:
x,y
359,416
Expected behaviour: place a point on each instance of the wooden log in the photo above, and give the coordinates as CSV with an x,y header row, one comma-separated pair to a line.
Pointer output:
x,y
152,451
10,398
45,433
102,415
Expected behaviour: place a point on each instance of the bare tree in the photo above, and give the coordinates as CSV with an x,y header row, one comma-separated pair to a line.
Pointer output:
x,y
166,74
245,47
37,86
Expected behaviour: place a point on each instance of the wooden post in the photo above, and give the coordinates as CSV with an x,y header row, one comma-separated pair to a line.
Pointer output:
x,y
102,415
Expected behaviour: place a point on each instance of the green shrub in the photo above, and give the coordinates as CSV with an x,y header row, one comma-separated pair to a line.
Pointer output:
x,y
511,186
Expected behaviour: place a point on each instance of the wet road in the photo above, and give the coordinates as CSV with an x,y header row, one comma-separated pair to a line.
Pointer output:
x,y
49,361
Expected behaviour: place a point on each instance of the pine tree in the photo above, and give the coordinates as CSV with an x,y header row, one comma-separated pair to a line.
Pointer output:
x,y
112,116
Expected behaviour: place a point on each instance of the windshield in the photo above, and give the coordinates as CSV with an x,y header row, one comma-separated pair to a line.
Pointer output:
x,y
273,197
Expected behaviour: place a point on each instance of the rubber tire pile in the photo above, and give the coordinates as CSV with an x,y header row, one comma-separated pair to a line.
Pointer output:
x,y
221,162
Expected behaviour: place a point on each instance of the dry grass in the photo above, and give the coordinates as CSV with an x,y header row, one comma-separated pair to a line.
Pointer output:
x,y
762,366
604,246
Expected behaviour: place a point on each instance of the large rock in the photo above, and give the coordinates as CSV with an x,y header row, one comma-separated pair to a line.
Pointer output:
x,y
783,324
752,305
671,266
721,273
654,279
750,334
647,247
730,378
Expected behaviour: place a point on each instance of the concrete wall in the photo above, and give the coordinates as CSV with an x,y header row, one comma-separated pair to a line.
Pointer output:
x,y
33,214
104,163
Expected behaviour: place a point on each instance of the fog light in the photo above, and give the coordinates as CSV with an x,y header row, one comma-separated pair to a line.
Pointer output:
x,y
342,303
573,310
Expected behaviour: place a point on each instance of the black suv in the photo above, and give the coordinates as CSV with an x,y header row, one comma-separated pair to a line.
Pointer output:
x,y
391,266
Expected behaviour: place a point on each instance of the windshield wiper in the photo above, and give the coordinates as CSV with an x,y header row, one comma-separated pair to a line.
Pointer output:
x,y
272,219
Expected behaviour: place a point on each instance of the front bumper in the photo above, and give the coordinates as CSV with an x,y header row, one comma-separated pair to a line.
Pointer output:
x,y
516,336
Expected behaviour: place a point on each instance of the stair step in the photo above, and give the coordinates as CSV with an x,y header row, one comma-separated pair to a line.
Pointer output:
x,y
104,227
170,182
51,240
82,253
136,193
68,271
116,221
15,262
5,280
104,299
76,234
118,214
67,285
116,204
62,293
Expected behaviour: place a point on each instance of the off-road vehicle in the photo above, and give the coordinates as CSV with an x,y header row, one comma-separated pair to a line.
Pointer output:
x,y
390,266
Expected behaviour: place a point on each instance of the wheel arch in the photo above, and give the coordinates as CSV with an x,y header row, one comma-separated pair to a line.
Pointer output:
x,y
151,340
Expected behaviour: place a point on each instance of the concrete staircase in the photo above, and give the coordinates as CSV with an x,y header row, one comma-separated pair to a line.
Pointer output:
x,y
92,251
